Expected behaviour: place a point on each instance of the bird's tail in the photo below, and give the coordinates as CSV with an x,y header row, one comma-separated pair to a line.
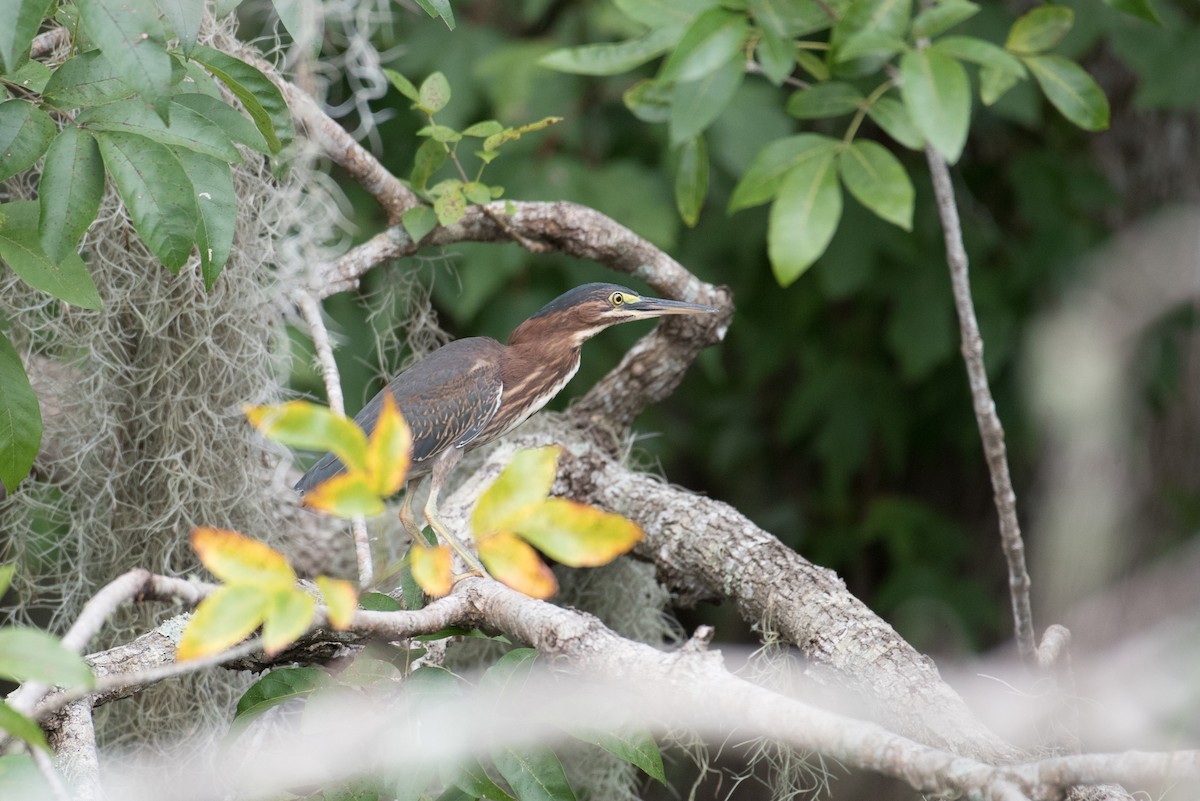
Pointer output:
x,y
325,469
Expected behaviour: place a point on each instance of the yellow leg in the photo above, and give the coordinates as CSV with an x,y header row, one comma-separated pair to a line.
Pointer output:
x,y
442,465
406,512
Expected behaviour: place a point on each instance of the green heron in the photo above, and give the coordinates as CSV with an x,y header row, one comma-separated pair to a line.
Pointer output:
x,y
472,391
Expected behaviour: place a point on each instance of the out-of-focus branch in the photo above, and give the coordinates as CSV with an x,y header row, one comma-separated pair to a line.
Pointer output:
x,y
990,429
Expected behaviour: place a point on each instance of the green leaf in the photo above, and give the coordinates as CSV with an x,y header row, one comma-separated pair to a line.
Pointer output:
x,y
69,193
942,17
33,75
20,425
995,83
812,64
22,20
25,133
346,495
21,249
300,424
450,206
477,193
879,181
882,18
691,179
236,125
212,186
829,99
289,613
1071,90
439,8
474,780
611,58
20,726
482,130
434,93
637,747
1040,29
979,51
87,79
804,216
223,619
440,133
418,221
128,34
402,84
663,13
304,22
788,19
533,774
938,96
521,486
277,687
868,44
766,172
187,128
262,99
892,116
697,104
156,191
33,655
510,670
378,602
20,778
428,159
7,571
184,16
709,44
649,100
575,534
776,56
1137,8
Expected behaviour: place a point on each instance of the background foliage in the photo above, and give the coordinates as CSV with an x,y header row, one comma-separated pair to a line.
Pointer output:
x,y
836,414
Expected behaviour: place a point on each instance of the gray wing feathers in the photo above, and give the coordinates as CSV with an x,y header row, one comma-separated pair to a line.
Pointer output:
x,y
448,398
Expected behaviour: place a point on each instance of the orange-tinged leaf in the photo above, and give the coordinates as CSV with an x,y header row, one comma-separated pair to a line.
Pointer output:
x,y
289,614
389,450
236,559
223,619
515,563
431,568
345,495
523,484
578,535
300,424
341,599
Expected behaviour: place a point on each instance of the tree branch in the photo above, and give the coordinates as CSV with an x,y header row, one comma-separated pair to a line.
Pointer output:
x,y
990,429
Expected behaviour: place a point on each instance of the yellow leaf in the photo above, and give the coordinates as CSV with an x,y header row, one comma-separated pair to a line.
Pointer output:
x,y
515,563
223,619
237,559
431,568
390,449
289,614
301,424
341,599
578,535
524,484
345,495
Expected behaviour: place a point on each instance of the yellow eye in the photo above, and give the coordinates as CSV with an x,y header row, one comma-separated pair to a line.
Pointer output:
x,y
616,298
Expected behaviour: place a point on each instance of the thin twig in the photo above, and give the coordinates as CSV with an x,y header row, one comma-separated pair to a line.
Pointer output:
x,y
311,310
990,429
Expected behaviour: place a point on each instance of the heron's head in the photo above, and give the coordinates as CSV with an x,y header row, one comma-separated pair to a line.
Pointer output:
x,y
579,314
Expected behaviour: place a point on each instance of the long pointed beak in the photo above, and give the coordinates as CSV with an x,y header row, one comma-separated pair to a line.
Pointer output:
x,y
657,307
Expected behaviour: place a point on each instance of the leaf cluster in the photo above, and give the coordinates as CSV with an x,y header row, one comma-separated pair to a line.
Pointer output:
x,y
879,59
450,197
505,774
141,104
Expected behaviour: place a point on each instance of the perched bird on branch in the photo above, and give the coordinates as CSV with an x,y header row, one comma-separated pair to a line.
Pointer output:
x,y
472,391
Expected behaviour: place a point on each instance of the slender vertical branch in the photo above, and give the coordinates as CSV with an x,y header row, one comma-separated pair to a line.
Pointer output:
x,y
990,429
311,310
